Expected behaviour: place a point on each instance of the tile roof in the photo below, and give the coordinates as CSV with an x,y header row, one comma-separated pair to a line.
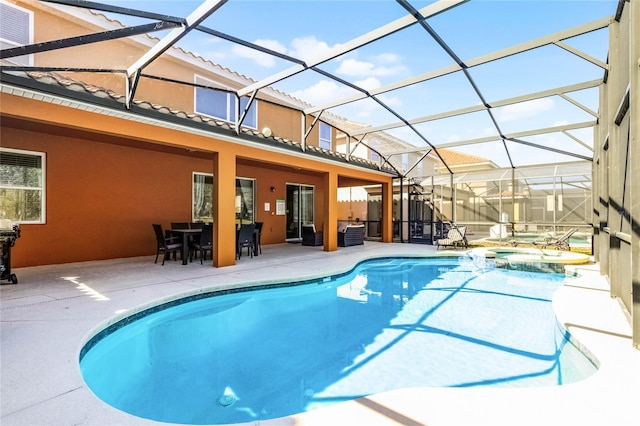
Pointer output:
x,y
387,140
75,87
457,158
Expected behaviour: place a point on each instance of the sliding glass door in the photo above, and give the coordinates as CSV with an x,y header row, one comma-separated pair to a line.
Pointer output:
x,y
300,208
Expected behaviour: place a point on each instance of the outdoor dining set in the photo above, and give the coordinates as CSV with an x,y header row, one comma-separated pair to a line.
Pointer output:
x,y
196,239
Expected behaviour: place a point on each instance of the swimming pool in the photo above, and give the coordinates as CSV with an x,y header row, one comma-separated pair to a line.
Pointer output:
x,y
239,356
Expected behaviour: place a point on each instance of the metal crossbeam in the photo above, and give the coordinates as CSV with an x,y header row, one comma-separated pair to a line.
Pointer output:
x,y
559,91
356,43
119,10
194,19
85,39
509,136
500,54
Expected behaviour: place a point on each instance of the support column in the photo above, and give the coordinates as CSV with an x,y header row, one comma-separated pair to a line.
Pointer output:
x,y
224,224
453,217
330,227
386,219
615,168
634,154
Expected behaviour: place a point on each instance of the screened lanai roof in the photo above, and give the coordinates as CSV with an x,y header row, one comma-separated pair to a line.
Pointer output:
x,y
576,172
515,82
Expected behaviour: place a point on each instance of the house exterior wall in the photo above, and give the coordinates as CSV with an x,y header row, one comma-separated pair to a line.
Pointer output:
x,y
274,226
100,202
284,122
108,179
119,54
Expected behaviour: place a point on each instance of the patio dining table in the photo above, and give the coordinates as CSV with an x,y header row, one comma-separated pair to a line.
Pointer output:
x,y
185,233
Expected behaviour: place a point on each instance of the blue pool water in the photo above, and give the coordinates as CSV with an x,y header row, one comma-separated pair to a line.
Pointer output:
x,y
390,323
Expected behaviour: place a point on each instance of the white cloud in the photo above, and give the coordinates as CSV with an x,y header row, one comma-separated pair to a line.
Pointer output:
x,y
368,83
387,58
262,59
489,131
325,91
453,137
525,109
322,92
306,48
354,67
391,101
366,108
367,72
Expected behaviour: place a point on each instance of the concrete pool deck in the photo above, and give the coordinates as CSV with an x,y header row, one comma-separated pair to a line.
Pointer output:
x,y
46,318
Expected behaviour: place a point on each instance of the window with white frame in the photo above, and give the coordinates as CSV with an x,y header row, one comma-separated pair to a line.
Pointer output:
x,y
417,170
202,210
22,186
374,155
325,136
218,103
16,29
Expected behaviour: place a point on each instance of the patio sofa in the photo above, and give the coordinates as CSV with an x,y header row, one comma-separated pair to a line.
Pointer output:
x,y
351,235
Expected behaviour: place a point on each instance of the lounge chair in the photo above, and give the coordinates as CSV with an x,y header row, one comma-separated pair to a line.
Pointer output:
x,y
561,242
456,237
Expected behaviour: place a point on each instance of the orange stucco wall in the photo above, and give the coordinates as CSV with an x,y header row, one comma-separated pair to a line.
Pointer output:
x,y
285,123
100,200
274,228
108,180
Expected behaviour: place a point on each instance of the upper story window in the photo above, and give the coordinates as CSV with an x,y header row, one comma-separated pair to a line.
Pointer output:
x,y
22,186
16,29
223,105
405,161
374,155
325,136
418,169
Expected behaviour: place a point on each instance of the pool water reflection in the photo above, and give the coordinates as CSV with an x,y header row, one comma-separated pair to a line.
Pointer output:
x,y
391,323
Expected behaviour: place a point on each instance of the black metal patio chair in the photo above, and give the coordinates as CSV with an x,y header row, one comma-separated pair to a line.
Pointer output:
x,y
166,244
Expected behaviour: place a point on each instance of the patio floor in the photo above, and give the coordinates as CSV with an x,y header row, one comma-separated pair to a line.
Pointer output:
x,y
47,317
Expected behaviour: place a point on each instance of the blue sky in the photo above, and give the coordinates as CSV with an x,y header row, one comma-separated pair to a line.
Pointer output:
x,y
304,29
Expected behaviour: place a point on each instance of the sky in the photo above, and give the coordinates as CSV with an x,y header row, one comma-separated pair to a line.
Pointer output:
x,y
305,29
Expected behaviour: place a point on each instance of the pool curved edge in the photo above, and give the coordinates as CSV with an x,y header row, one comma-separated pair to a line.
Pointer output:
x,y
376,405
533,255
605,339
125,317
